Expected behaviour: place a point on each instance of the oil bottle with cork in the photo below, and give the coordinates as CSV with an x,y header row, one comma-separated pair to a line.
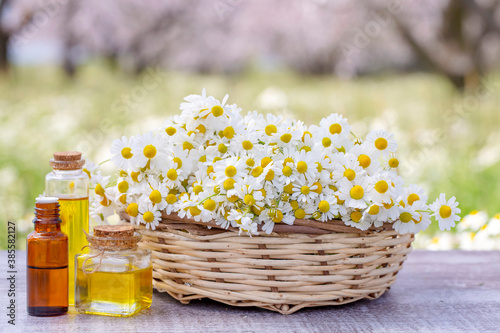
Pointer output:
x,y
70,184
47,262
115,277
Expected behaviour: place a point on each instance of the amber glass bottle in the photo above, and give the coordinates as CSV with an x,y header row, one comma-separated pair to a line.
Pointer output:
x,y
47,261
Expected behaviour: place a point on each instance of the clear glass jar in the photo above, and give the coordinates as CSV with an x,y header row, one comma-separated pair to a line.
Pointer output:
x,y
115,277
70,184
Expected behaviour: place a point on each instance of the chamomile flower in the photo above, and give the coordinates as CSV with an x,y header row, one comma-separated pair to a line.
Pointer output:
x,y
356,194
445,212
354,218
327,208
414,193
148,151
304,190
121,151
336,124
157,193
149,216
405,223
383,142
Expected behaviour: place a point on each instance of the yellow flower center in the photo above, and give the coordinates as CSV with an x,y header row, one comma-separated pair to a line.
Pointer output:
x,y
250,162
210,169
364,160
319,188
357,192
271,129
197,189
270,175
132,209
356,216
171,199
288,160
288,188
302,167
229,184
99,190
195,211
179,162
294,204
278,217
123,199
335,129
222,148
324,206
300,213
412,198
350,174
105,202
172,174
123,186
187,145
381,186
304,135
170,130
265,161
257,171
209,205
201,128
148,217
217,110
127,153
228,132
405,217
305,190
381,143
286,137
445,211
287,171
230,171
247,145
155,197
326,142
393,162
149,151
249,200
374,210
233,198
135,176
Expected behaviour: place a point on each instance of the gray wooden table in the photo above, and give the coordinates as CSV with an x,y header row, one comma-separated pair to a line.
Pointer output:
x,y
435,292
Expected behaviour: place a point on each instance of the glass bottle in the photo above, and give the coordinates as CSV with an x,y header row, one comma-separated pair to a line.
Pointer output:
x,y
47,261
115,277
70,184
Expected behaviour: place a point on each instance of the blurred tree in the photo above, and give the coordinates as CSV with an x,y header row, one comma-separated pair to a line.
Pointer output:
x,y
458,48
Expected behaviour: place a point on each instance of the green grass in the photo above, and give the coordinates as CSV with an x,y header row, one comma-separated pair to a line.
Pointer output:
x,y
41,111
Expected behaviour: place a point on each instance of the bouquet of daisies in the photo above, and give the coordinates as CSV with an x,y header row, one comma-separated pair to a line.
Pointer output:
x,y
211,163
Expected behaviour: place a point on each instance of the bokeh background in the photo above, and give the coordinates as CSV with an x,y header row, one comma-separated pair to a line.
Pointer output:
x,y
74,75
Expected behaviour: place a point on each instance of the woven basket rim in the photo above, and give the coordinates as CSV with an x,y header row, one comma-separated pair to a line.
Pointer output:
x,y
300,226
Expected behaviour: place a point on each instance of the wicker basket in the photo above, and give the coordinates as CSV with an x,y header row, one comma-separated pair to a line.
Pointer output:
x,y
308,264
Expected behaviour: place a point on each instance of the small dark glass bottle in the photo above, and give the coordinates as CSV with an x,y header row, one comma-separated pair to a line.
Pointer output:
x,y
47,261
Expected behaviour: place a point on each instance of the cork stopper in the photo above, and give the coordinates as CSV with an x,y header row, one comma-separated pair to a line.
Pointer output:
x,y
67,160
114,237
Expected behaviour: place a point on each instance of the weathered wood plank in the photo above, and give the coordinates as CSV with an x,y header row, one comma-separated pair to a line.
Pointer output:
x,y
435,291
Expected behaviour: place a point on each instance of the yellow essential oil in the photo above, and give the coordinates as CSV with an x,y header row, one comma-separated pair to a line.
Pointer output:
x,y
70,184
115,278
75,218
117,294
